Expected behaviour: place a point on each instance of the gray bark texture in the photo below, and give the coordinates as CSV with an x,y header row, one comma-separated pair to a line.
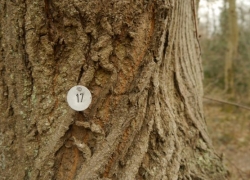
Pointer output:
x,y
141,62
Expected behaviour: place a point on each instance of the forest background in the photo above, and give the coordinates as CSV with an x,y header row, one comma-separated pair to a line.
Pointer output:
x,y
225,42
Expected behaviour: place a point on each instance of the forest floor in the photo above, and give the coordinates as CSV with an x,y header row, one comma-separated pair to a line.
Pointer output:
x,y
229,128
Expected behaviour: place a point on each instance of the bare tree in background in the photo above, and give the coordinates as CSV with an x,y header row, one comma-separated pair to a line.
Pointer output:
x,y
232,45
141,61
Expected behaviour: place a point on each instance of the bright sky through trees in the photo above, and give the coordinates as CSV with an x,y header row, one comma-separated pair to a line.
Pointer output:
x,y
209,12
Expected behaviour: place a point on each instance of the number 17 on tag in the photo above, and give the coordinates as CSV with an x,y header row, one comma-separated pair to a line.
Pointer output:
x,y
79,98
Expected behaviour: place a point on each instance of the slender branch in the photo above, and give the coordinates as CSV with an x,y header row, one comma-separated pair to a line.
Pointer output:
x,y
227,102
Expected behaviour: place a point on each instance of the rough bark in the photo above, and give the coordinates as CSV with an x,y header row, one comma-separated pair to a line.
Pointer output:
x,y
141,61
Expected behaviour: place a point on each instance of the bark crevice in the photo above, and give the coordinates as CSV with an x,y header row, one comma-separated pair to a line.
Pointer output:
x,y
141,64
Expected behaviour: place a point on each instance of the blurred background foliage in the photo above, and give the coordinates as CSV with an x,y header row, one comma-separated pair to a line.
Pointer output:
x,y
224,27
215,32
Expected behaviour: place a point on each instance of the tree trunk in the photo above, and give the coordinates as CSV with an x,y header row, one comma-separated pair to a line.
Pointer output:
x,y
232,45
141,61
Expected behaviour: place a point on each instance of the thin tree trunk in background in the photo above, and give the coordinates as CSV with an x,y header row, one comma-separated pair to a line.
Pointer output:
x,y
197,4
232,46
141,61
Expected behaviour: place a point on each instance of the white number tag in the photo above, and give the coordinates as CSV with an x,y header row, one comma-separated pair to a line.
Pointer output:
x,y
79,98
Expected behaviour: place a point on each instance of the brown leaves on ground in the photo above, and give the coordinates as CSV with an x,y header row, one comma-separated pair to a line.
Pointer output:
x,y
229,128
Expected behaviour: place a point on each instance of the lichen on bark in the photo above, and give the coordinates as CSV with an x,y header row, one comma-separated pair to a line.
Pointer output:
x,y
141,62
